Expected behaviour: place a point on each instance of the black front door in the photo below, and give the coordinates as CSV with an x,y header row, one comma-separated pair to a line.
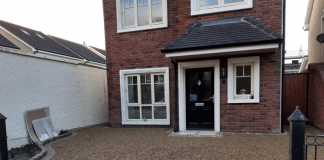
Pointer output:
x,y
199,98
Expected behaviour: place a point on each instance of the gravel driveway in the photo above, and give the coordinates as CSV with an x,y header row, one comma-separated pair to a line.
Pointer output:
x,y
103,143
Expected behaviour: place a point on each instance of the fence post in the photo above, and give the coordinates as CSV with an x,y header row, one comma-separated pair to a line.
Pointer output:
x,y
3,138
297,122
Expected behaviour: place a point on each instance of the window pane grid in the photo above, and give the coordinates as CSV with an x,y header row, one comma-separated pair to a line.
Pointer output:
x,y
156,11
147,109
128,9
208,3
141,12
132,89
243,80
203,4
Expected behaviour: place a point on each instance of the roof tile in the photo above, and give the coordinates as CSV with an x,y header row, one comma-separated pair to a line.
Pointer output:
x,y
222,33
6,43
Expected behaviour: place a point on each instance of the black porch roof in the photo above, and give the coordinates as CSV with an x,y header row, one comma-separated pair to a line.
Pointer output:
x,y
223,33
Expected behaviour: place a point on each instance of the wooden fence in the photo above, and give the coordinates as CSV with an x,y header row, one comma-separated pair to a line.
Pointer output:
x,y
295,93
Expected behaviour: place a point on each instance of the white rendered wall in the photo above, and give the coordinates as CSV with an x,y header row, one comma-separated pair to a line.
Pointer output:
x,y
76,94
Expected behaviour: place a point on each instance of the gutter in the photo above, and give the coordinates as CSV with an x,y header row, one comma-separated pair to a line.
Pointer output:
x,y
57,57
282,71
230,45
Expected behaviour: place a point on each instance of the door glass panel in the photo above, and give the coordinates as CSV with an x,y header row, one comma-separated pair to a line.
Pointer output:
x,y
147,112
134,112
160,112
132,89
142,12
146,88
156,11
159,88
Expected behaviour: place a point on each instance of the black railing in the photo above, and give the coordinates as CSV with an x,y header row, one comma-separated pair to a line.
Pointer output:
x,y
297,122
314,143
3,138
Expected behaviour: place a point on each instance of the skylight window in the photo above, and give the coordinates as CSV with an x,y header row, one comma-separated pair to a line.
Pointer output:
x,y
40,36
25,32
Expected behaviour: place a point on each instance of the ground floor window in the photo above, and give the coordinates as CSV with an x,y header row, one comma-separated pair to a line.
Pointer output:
x,y
144,94
243,80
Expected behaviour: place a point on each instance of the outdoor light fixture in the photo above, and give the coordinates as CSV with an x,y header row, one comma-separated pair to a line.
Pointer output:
x,y
320,38
223,73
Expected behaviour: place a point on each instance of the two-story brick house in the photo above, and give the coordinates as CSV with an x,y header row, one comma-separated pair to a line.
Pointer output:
x,y
195,64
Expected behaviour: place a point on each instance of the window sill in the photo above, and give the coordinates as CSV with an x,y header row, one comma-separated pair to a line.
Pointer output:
x,y
221,9
142,28
147,122
242,101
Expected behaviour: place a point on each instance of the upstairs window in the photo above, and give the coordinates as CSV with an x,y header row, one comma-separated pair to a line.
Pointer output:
x,y
135,15
322,24
199,7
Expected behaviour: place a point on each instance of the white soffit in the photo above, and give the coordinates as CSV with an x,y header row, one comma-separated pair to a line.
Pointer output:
x,y
222,50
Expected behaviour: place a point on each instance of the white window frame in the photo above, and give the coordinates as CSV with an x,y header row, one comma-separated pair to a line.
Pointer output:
x,y
182,91
322,24
220,7
163,24
255,85
124,97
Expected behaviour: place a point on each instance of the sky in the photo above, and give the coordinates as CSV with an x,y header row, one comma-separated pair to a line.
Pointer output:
x,y
82,20
296,37
76,20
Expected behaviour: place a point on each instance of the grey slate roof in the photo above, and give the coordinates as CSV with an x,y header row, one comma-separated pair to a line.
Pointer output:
x,y
43,42
37,39
223,33
80,50
6,43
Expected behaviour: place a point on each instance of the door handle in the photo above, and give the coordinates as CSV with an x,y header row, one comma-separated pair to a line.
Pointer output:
x,y
212,98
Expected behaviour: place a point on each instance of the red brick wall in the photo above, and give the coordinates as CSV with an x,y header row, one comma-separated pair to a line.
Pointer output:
x,y
316,94
261,117
142,49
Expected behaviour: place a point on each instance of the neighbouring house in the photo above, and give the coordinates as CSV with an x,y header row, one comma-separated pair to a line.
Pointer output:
x,y
315,26
211,65
38,70
293,64
100,52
